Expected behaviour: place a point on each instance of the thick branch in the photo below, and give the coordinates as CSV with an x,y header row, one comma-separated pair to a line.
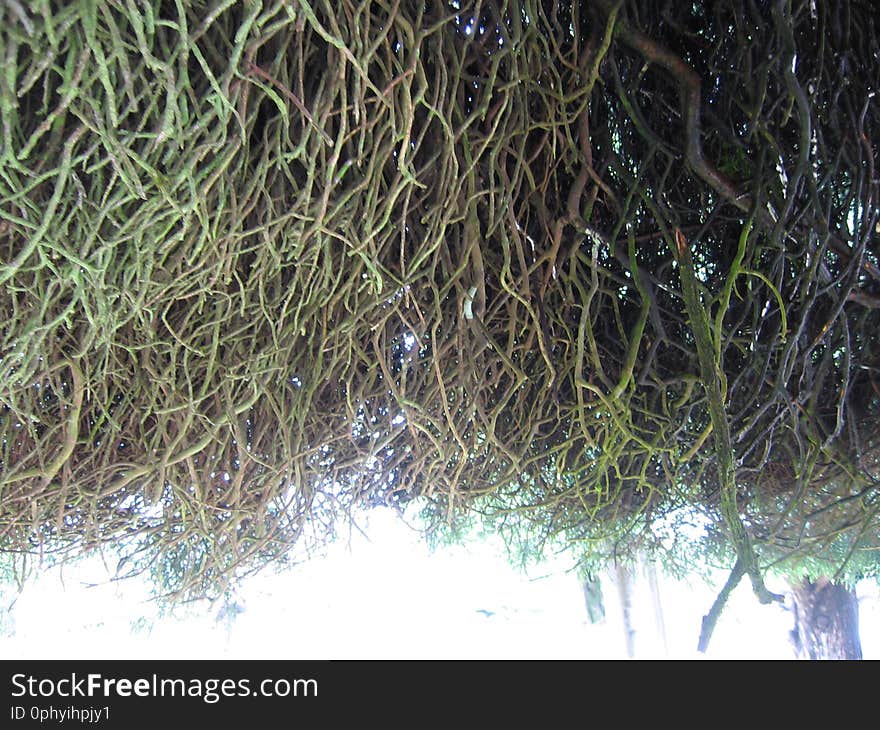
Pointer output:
x,y
690,107
715,383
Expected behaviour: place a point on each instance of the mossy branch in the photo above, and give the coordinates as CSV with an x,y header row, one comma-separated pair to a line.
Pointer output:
x,y
715,384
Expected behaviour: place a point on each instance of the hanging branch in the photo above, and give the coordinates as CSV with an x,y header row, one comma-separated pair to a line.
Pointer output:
x,y
715,384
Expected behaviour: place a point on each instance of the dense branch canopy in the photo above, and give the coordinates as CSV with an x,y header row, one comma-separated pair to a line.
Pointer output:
x,y
264,262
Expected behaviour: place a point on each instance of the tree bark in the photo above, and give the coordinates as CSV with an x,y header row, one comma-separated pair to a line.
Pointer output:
x,y
826,621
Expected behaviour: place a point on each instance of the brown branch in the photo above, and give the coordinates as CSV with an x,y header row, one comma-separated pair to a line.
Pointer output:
x,y
257,71
690,106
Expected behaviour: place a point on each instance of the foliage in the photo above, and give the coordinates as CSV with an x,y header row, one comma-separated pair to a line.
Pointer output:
x,y
265,262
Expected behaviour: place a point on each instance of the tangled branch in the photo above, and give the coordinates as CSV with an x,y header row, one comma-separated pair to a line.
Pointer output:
x,y
264,263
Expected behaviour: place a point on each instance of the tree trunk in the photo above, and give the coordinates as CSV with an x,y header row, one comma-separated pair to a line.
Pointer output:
x,y
826,619
593,599
625,578
650,568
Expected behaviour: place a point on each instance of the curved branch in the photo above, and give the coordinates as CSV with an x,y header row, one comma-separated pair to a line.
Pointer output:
x,y
690,107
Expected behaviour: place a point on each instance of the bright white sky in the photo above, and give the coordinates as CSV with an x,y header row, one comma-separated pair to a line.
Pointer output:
x,y
390,597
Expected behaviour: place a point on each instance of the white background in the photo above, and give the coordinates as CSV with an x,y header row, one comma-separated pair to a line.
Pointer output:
x,y
390,597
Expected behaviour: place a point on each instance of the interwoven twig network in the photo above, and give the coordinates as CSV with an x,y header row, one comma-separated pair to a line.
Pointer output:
x,y
264,262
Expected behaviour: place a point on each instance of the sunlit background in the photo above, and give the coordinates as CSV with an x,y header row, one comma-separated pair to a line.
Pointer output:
x,y
382,593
